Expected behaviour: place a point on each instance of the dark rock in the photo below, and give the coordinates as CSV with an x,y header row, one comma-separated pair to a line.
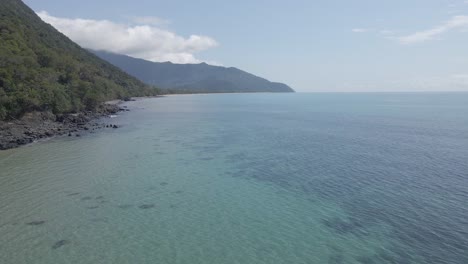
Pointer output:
x,y
146,206
36,223
37,125
60,243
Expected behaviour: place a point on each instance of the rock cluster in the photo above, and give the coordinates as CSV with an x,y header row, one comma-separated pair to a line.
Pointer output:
x,y
39,125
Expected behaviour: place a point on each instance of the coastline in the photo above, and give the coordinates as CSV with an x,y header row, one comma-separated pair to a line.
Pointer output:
x,y
36,126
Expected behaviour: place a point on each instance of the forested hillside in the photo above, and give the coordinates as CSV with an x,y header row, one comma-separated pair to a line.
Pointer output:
x,y
41,69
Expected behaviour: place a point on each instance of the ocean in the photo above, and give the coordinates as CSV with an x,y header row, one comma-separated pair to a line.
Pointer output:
x,y
247,178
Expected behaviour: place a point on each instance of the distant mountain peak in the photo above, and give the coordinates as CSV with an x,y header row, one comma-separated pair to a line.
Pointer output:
x,y
193,78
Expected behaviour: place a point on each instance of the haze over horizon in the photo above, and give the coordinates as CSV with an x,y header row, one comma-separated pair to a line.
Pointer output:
x,y
320,46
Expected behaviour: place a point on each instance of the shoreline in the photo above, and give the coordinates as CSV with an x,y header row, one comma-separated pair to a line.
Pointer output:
x,y
37,126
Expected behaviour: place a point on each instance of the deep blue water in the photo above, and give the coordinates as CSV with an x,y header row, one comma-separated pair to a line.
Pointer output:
x,y
249,178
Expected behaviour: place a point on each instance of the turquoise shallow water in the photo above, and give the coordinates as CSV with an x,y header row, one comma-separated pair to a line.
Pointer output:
x,y
248,178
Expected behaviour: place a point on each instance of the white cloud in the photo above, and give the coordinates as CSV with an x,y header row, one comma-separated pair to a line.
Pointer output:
x,y
145,40
455,22
360,30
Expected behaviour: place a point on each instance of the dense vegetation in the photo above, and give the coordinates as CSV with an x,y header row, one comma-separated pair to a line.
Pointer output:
x,y
41,69
192,78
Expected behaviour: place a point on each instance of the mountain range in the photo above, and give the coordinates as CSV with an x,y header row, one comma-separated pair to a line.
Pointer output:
x,y
192,78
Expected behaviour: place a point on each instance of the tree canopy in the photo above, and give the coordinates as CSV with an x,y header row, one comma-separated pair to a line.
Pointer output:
x,y
41,69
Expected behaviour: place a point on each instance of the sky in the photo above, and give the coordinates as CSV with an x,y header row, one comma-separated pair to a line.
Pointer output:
x,y
313,46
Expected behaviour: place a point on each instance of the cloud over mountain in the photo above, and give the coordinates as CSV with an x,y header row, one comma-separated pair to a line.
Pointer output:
x,y
146,41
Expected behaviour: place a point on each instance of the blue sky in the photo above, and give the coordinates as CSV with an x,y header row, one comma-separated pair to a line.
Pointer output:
x,y
314,46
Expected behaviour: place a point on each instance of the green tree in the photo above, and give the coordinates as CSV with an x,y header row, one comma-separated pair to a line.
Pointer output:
x,y
41,69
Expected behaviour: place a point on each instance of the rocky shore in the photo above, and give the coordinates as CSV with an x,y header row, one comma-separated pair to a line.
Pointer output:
x,y
40,125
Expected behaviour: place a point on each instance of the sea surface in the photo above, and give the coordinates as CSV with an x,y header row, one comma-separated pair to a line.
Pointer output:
x,y
247,178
